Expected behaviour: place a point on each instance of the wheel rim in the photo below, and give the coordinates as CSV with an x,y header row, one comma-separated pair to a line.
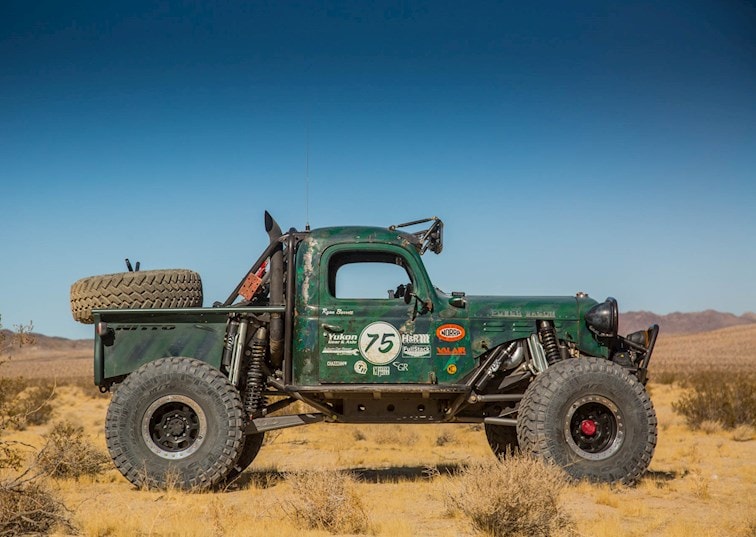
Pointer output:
x,y
594,427
174,427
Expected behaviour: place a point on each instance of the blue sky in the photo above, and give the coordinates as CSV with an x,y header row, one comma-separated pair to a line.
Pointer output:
x,y
608,147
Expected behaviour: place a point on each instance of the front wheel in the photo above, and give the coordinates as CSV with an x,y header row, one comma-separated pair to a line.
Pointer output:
x,y
175,422
591,417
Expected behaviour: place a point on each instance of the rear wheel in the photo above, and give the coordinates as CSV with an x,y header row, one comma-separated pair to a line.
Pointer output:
x,y
591,417
177,422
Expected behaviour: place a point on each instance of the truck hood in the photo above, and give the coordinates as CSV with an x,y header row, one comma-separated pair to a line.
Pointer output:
x,y
565,308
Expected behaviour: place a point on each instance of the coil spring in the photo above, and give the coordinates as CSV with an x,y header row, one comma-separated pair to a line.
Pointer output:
x,y
254,400
549,341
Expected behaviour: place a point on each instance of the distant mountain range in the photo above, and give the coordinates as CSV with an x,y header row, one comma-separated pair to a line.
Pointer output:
x,y
672,323
41,342
683,323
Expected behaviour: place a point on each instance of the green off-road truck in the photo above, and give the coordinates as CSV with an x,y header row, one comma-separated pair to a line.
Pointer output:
x,y
195,388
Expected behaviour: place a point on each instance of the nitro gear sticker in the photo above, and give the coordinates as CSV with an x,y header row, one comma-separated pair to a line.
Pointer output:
x,y
380,343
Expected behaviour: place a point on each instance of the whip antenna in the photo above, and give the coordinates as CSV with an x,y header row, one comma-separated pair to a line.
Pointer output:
x,y
307,178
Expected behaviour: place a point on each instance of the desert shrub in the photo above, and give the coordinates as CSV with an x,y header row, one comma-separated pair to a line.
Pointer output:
x,y
358,435
664,376
85,386
27,507
721,397
444,438
68,454
744,433
395,435
326,500
23,402
517,496
34,404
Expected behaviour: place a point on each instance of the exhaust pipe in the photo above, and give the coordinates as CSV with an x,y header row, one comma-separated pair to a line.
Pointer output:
x,y
276,290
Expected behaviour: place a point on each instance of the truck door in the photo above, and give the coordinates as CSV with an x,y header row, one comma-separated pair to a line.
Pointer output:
x,y
368,333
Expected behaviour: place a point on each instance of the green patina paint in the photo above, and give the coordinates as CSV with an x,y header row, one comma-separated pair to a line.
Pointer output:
x,y
141,336
339,340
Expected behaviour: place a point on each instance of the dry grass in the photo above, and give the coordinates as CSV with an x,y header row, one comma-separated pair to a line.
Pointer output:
x,y
68,454
30,508
700,482
743,433
24,403
517,497
719,399
326,500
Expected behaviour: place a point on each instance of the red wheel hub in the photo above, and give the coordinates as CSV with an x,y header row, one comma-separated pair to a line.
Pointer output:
x,y
588,427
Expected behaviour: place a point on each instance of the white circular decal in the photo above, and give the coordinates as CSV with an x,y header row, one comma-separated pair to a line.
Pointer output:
x,y
380,343
360,367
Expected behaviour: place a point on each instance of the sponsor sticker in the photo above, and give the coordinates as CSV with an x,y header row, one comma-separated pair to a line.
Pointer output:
x,y
381,370
379,343
336,363
450,332
416,351
416,339
341,339
451,351
340,351
360,367
401,366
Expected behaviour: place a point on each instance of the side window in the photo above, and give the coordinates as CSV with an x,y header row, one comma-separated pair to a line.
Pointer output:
x,y
366,275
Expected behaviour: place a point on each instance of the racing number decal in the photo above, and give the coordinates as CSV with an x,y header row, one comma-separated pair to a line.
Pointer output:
x,y
380,343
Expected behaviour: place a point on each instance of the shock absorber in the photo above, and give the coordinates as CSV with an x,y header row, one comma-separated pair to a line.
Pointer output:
x,y
549,341
253,399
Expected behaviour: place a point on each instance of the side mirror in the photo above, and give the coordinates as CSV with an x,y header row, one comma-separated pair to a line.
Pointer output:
x,y
409,292
399,292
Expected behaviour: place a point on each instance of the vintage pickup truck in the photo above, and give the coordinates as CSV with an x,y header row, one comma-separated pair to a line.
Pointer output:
x,y
196,388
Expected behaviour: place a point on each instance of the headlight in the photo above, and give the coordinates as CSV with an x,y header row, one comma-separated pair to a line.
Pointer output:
x,y
603,319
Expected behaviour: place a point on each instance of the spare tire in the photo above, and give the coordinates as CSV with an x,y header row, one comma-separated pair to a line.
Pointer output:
x,y
168,288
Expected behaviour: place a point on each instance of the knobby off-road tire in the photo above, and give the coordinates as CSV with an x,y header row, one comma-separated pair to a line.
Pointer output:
x,y
170,288
175,422
502,439
591,417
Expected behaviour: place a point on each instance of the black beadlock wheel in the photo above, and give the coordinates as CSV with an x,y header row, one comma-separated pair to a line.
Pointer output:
x,y
175,421
169,288
591,417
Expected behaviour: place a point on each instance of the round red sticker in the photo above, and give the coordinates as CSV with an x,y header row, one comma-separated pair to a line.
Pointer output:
x,y
450,332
